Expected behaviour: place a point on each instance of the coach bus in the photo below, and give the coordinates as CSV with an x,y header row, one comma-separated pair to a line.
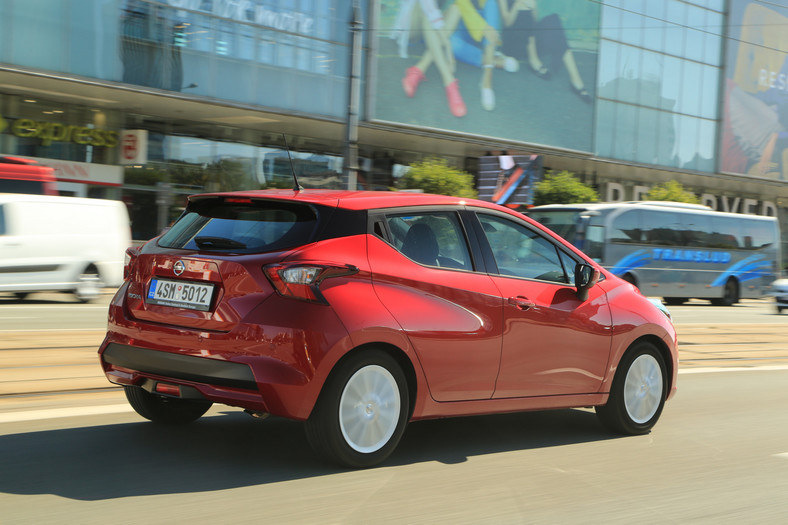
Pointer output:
x,y
19,175
673,250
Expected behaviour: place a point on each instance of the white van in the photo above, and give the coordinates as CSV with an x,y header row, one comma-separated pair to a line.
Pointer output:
x,y
61,243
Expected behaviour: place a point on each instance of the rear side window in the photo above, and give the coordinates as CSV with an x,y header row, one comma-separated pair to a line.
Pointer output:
x,y
432,239
241,227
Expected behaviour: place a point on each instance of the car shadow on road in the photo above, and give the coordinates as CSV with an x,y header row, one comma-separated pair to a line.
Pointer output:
x,y
232,450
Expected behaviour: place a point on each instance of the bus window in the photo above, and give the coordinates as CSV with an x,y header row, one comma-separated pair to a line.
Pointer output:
x,y
595,239
694,230
757,235
627,228
661,228
725,233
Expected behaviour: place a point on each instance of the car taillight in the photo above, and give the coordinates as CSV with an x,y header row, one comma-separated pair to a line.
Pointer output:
x,y
302,280
129,260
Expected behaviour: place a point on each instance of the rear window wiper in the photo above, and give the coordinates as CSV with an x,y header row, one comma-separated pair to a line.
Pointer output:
x,y
220,243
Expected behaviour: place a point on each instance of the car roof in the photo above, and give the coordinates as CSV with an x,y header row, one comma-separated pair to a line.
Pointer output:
x,y
356,200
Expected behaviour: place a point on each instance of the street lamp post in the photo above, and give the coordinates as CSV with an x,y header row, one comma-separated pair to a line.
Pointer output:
x,y
351,138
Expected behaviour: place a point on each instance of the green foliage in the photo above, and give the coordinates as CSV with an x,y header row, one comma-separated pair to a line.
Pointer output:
x,y
563,188
143,177
671,191
434,175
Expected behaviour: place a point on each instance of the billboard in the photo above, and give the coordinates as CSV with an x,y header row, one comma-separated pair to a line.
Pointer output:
x,y
509,180
525,73
755,118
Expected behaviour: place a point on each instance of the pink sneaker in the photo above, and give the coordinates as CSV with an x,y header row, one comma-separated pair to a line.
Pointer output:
x,y
456,104
413,76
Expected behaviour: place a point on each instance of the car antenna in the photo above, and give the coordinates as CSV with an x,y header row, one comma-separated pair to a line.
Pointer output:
x,y
296,186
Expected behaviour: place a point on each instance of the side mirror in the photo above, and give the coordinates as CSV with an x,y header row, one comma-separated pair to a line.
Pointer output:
x,y
586,276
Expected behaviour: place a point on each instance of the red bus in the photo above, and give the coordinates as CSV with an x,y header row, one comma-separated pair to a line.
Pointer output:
x,y
18,175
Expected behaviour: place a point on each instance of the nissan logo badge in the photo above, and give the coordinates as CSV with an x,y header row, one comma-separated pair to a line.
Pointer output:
x,y
178,267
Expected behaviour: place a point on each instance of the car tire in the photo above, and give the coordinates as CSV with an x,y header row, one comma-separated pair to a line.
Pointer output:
x,y
88,285
638,393
167,410
362,411
779,309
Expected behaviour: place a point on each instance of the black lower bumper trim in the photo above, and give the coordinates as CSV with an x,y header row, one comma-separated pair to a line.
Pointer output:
x,y
176,366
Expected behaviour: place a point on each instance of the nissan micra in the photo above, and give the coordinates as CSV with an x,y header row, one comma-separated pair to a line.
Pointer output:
x,y
357,312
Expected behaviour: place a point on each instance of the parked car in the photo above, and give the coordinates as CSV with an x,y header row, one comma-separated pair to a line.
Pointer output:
x,y
779,289
69,244
357,312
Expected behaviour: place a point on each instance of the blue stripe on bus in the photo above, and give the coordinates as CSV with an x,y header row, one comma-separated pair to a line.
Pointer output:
x,y
630,262
752,267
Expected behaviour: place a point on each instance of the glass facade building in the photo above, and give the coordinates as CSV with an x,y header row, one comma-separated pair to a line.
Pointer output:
x,y
659,80
151,100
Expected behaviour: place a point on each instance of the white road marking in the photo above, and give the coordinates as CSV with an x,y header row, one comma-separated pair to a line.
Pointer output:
x,y
784,455
89,329
53,413
711,370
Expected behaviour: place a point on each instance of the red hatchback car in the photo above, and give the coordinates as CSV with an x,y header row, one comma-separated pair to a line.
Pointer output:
x,y
357,312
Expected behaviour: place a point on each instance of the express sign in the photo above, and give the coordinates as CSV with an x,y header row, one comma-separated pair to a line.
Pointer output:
x,y
49,132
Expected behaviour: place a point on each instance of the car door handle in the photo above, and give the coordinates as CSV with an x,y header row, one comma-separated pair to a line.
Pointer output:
x,y
523,303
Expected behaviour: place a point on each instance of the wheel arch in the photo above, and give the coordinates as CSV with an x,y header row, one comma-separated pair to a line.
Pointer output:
x,y
664,351
395,352
91,266
632,279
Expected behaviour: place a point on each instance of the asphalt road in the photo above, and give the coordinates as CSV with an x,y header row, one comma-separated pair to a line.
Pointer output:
x,y
719,455
71,450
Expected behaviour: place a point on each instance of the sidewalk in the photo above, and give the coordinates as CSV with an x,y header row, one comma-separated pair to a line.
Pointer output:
x,y
51,362
42,362
709,345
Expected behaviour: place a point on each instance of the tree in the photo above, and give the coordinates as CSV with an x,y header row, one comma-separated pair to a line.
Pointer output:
x,y
671,191
563,188
434,175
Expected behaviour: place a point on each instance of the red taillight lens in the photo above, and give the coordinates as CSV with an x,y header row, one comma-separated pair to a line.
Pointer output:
x,y
169,390
129,260
302,280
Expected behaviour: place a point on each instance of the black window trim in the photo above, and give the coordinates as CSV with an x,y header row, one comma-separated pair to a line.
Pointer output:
x,y
378,217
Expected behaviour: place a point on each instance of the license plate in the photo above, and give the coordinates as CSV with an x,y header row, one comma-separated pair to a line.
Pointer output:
x,y
181,294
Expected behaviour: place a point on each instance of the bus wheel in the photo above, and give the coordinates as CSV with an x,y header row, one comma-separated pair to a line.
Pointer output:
x,y
628,277
730,294
674,301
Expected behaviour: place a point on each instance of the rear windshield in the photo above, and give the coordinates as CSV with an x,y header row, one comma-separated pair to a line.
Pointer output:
x,y
241,227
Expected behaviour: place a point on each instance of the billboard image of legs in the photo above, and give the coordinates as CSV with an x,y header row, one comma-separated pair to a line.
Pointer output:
x,y
755,119
520,70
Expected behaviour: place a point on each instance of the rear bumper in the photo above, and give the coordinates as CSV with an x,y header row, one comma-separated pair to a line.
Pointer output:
x,y
183,367
272,367
217,381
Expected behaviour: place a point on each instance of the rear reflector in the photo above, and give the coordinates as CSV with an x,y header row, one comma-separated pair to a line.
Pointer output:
x,y
169,390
